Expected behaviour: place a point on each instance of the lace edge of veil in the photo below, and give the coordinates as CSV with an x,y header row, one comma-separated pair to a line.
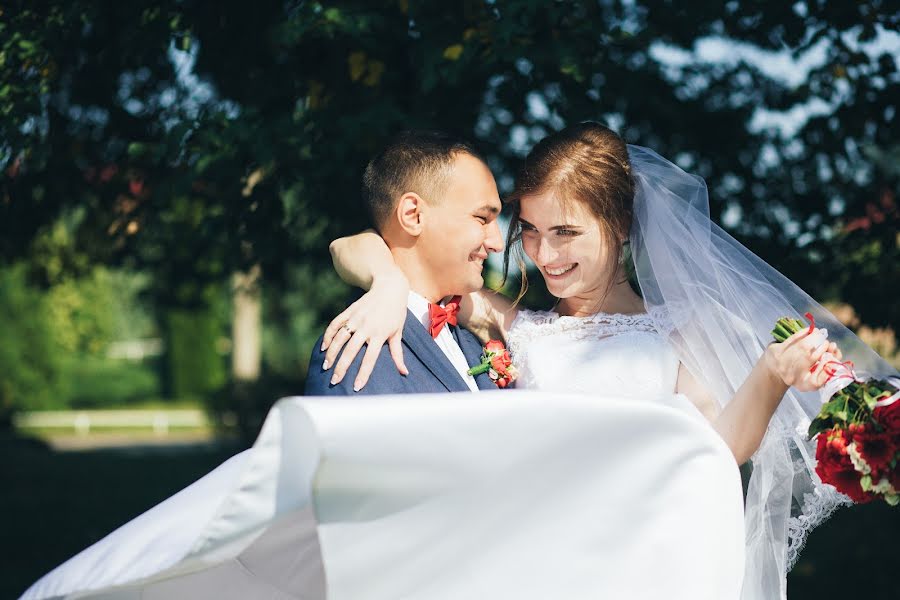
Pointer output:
x,y
817,508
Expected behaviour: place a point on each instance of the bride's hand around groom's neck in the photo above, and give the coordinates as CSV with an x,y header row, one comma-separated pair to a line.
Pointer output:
x,y
373,320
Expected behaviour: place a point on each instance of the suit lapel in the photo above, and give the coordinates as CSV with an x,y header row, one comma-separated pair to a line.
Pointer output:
x,y
472,350
417,339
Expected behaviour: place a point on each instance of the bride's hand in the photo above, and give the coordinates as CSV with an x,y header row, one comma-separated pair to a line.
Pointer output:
x,y
799,360
377,317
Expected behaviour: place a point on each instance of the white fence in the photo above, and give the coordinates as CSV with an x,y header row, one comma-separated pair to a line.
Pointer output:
x,y
135,349
83,420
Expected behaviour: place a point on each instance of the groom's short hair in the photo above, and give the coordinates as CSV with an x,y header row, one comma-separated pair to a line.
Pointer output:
x,y
413,161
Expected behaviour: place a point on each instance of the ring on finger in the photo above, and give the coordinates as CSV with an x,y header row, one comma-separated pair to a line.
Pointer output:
x,y
346,326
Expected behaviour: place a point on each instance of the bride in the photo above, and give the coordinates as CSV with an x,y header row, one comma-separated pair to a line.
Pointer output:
x,y
614,475
585,205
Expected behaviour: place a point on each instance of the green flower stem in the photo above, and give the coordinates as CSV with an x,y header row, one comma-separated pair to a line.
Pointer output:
x,y
785,327
479,369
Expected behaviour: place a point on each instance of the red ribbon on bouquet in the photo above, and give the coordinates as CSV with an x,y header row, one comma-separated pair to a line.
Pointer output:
x,y
834,368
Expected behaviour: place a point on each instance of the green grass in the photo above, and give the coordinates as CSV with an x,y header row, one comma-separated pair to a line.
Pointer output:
x,y
50,432
154,403
54,504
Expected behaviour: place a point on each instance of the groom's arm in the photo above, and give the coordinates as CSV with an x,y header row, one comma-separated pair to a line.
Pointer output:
x,y
318,380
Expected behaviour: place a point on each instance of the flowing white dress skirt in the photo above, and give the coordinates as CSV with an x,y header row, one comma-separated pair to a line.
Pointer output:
x,y
520,495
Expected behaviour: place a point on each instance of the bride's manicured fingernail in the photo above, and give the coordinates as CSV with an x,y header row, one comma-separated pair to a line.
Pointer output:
x,y
356,387
333,379
325,365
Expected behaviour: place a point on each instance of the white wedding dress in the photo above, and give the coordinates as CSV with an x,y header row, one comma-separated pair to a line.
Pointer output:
x,y
598,482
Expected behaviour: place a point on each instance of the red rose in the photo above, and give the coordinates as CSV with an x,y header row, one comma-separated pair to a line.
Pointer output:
x,y
501,361
894,478
847,482
497,363
877,449
888,416
835,467
831,454
494,346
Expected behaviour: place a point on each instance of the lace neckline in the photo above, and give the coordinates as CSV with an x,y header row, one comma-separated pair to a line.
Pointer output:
x,y
600,315
530,325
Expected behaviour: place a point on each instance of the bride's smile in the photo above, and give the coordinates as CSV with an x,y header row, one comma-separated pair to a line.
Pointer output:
x,y
565,241
558,272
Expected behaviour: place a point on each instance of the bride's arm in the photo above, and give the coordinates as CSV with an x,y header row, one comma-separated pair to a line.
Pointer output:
x,y
743,421
364,260
377,263
487,314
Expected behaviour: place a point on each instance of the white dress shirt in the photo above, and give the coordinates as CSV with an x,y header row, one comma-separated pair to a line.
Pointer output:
x,y
418,305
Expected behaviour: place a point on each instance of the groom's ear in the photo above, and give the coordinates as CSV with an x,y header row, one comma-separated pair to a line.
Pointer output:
x,y
410,213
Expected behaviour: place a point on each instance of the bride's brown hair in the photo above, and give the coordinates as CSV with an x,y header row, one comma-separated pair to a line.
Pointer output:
x,y
586,163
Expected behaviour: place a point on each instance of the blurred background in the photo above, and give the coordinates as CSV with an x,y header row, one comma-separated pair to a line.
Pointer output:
x,y
171,174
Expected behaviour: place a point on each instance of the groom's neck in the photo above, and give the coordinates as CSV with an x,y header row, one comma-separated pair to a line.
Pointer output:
x,y
422,279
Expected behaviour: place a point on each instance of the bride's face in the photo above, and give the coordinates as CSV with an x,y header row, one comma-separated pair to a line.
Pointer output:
x,y
564,240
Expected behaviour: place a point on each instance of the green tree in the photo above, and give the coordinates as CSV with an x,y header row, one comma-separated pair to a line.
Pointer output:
x,y
30,360
211,144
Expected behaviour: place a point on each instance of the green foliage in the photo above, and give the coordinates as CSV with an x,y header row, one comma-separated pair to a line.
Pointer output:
x,y
56,340
197,148
291,319
188,144
95,382
852,404
30,369
291,326
80,312
867,265
196,368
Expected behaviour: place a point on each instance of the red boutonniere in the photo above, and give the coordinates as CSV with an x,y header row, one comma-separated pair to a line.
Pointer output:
x,y
496,362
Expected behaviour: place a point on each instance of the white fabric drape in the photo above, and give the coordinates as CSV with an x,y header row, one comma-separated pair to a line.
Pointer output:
x,y
514,494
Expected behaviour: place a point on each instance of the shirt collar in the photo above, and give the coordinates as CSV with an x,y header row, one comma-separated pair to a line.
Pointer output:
x,y
418,306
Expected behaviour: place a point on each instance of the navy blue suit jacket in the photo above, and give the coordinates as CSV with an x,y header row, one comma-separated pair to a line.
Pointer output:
x,y
429,369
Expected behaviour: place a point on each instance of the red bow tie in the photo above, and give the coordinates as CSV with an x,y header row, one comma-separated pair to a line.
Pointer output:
x,y
441,315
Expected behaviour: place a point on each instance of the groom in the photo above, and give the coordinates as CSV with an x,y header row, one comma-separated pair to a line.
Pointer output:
x,y
435,203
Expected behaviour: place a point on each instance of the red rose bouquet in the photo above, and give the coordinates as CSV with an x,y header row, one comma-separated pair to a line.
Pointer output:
x,y
497,363
858,428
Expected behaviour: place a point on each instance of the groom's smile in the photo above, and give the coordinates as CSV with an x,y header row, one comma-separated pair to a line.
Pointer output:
x,y
478,260
461,228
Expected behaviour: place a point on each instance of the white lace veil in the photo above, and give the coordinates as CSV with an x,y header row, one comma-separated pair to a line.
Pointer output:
x,y
720,303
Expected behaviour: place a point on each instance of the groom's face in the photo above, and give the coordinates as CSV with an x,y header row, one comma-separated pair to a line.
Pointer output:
x,y
461,227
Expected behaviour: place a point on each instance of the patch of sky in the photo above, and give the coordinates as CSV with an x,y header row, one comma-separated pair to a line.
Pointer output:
x,y
537,106
790,68
615,121
524,66
518,139
195,93
732,215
